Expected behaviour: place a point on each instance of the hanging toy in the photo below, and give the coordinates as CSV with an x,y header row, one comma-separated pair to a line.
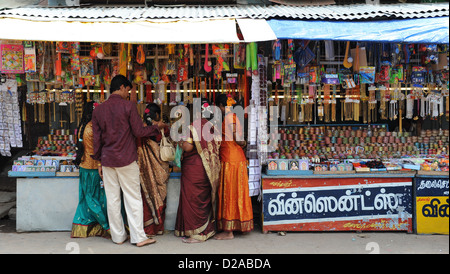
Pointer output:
x,y
140,55
100,54
276,50
251,58
254,52
92,53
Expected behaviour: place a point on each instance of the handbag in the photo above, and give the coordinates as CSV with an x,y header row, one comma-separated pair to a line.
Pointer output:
x,y
166,149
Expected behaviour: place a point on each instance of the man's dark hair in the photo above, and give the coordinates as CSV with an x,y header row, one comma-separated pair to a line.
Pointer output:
x,y
117,81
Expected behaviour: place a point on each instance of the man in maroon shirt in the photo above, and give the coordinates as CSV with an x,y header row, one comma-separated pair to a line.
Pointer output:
x,y
116,124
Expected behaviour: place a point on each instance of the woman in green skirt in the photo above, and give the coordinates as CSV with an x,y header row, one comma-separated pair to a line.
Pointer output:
x,y
91,217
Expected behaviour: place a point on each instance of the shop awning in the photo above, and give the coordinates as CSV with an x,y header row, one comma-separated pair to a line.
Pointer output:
x,y
143,31
423,30
254,30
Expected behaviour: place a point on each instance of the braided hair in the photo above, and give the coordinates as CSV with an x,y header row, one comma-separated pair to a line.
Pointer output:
x,y
85,119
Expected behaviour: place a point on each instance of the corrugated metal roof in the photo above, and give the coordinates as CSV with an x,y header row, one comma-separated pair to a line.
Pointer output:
x,y
327,12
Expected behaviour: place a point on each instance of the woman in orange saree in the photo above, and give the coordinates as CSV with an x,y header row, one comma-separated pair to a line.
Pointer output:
x,y
154,175
200,169
235,212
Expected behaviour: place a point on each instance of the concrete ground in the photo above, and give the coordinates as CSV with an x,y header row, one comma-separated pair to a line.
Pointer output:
x,y
253,243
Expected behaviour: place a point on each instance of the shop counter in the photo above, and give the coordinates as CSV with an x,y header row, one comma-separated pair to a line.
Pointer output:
x,y
431,204
343,202
49,203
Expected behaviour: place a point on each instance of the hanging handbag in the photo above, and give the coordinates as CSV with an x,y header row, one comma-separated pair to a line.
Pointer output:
x,y
166,149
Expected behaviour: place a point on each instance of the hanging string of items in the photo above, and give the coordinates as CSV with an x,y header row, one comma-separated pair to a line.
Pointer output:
x,y
381,84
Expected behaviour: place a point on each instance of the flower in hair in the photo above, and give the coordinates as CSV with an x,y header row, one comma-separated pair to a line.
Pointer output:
x,y
147,110
230,101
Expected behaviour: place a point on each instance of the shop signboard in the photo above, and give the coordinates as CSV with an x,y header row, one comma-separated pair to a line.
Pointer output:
x,y
432,205
337,204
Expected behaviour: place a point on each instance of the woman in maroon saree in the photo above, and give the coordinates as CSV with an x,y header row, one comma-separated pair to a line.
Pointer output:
x,y
200,170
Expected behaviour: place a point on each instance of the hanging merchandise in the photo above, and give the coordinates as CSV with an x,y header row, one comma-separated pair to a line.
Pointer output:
x,y
445,94
303,55
320,111
239,56
309,104
384,100
155,73
29,57
425,104
326,103
86,68
75,56
10,126
367,74
251,62
348,61
207,64
161,91
418,75
140,55
393,103
364,103
220,50
333,104
123,59
42,99
170,66
417,95
329,50
129,57
409,105
12,58
342,106
78,104
173,93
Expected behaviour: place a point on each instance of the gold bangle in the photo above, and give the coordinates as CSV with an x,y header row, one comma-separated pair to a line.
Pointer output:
x,y
99,165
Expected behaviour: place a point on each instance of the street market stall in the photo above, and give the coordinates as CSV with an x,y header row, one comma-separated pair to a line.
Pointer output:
x,y
340,121
359,121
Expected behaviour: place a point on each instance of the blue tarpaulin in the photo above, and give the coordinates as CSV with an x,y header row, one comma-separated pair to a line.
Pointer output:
x,y
424,30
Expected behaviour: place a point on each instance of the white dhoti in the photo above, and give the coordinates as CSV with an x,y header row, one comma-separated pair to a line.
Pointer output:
x,y
126,178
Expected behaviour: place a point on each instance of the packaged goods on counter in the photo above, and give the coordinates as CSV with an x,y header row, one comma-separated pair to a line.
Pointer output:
x,y
48,166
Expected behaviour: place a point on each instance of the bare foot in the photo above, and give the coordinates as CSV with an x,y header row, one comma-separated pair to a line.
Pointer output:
x,y
224,236
123,241
146,242
190,241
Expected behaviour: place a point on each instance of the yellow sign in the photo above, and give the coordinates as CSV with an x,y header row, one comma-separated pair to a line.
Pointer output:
x,y
432,215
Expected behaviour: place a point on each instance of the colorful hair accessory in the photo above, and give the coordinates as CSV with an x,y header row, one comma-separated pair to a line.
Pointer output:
x,y
147,110
230,101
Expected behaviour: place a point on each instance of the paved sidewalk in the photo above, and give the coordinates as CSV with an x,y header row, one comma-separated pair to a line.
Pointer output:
x,y
252,243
